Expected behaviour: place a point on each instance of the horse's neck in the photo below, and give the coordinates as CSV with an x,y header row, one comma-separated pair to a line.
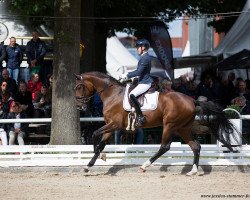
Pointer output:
x,y
106,89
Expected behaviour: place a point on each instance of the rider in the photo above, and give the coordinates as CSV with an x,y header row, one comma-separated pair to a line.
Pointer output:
x,y
145,80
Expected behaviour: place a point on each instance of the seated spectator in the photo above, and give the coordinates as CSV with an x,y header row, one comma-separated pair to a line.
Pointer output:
x,y
34,85
3,135
24,97
11,83
138,136
42,103
6,102
244,110
3,87
209,88
241,90
16,130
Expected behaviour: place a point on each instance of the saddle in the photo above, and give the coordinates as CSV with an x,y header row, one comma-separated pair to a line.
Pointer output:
x,y
154,87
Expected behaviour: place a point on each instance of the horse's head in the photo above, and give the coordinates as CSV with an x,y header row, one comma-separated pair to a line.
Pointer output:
x,y
83,92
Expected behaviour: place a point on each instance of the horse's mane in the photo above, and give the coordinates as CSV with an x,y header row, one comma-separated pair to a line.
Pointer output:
x,y
105,76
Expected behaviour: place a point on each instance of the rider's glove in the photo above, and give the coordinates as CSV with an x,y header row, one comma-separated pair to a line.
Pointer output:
x,y
123,77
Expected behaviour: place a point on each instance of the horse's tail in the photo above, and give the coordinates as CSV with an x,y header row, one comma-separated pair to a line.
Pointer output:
x,y
212,114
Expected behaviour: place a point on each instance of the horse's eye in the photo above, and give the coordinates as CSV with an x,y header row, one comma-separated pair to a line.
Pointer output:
x,y
78,87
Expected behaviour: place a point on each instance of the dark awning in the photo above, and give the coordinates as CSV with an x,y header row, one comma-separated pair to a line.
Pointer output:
x,y
240,60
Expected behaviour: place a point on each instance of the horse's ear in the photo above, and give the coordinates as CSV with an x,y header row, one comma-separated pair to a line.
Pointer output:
x,y
78,77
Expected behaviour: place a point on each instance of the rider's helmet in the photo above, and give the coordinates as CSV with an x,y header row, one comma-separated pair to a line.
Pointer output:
x,y
142,42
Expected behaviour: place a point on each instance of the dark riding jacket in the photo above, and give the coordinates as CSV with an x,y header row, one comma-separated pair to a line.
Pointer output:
x,y
143,70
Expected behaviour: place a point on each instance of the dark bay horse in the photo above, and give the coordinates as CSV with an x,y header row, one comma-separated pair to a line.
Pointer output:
x,y
175,113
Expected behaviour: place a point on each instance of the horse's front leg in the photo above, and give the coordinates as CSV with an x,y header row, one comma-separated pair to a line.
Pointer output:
x,y
100,138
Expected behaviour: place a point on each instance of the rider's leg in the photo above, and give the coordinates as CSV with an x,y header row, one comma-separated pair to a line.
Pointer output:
x,y
139,89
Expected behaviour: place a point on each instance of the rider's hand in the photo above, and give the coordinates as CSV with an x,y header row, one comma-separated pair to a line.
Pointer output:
x,y
123,77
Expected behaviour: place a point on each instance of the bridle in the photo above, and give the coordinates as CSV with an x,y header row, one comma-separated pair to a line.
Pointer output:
x,y
84,100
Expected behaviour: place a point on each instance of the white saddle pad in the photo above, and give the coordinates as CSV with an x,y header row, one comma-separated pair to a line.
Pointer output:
x,y
150,101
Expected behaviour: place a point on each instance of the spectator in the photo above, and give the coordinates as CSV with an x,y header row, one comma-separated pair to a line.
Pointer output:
x,y
16,130
209,88
241,90
35,51
245,110
42,103
24,97
5,105
138,137
34,85
11,83
3,87
14,57
2,57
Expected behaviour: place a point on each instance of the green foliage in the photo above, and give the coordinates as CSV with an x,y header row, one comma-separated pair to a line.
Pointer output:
x,y
232,114
128,11
34,12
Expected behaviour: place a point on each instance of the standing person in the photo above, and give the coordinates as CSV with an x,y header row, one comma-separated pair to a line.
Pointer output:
x,y
35,51
145,80
2,57
14,58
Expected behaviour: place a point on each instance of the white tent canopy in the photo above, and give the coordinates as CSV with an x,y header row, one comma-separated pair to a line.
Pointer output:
x,y
119,59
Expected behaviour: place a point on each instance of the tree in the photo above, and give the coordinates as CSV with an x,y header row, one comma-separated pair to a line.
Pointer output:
x,y
65,119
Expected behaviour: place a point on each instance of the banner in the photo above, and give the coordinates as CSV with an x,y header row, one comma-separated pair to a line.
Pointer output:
x,y
161,43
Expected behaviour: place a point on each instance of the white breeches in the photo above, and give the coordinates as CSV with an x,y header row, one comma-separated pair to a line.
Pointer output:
x,y
13,136
3,136
139,89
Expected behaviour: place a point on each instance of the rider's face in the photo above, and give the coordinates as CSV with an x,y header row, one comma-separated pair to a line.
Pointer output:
x,y
139,50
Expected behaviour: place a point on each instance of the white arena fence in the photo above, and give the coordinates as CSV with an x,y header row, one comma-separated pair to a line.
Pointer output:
x,y
79,155
72,155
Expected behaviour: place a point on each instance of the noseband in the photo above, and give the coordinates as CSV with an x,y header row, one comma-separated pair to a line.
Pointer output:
x,y
82,99
85,100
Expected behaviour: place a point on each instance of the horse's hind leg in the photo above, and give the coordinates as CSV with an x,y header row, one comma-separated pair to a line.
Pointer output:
x,y
165,146
195,146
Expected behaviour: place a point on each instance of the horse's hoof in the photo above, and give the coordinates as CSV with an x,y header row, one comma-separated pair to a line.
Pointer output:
x,y
191,173
103,157
142,170
86,169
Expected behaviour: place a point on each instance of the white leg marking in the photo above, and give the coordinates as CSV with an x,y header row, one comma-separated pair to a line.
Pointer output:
x,y
193,171
145,165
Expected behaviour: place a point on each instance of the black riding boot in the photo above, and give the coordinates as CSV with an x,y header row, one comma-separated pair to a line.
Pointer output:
x,y
140,118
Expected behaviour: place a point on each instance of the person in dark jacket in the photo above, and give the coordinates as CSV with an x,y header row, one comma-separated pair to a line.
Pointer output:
x,y
16,130
24,97
145,80
35,51
14,58
11,83
2,57
6,103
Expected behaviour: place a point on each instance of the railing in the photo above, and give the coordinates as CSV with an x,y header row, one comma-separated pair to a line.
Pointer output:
x,y
72,155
